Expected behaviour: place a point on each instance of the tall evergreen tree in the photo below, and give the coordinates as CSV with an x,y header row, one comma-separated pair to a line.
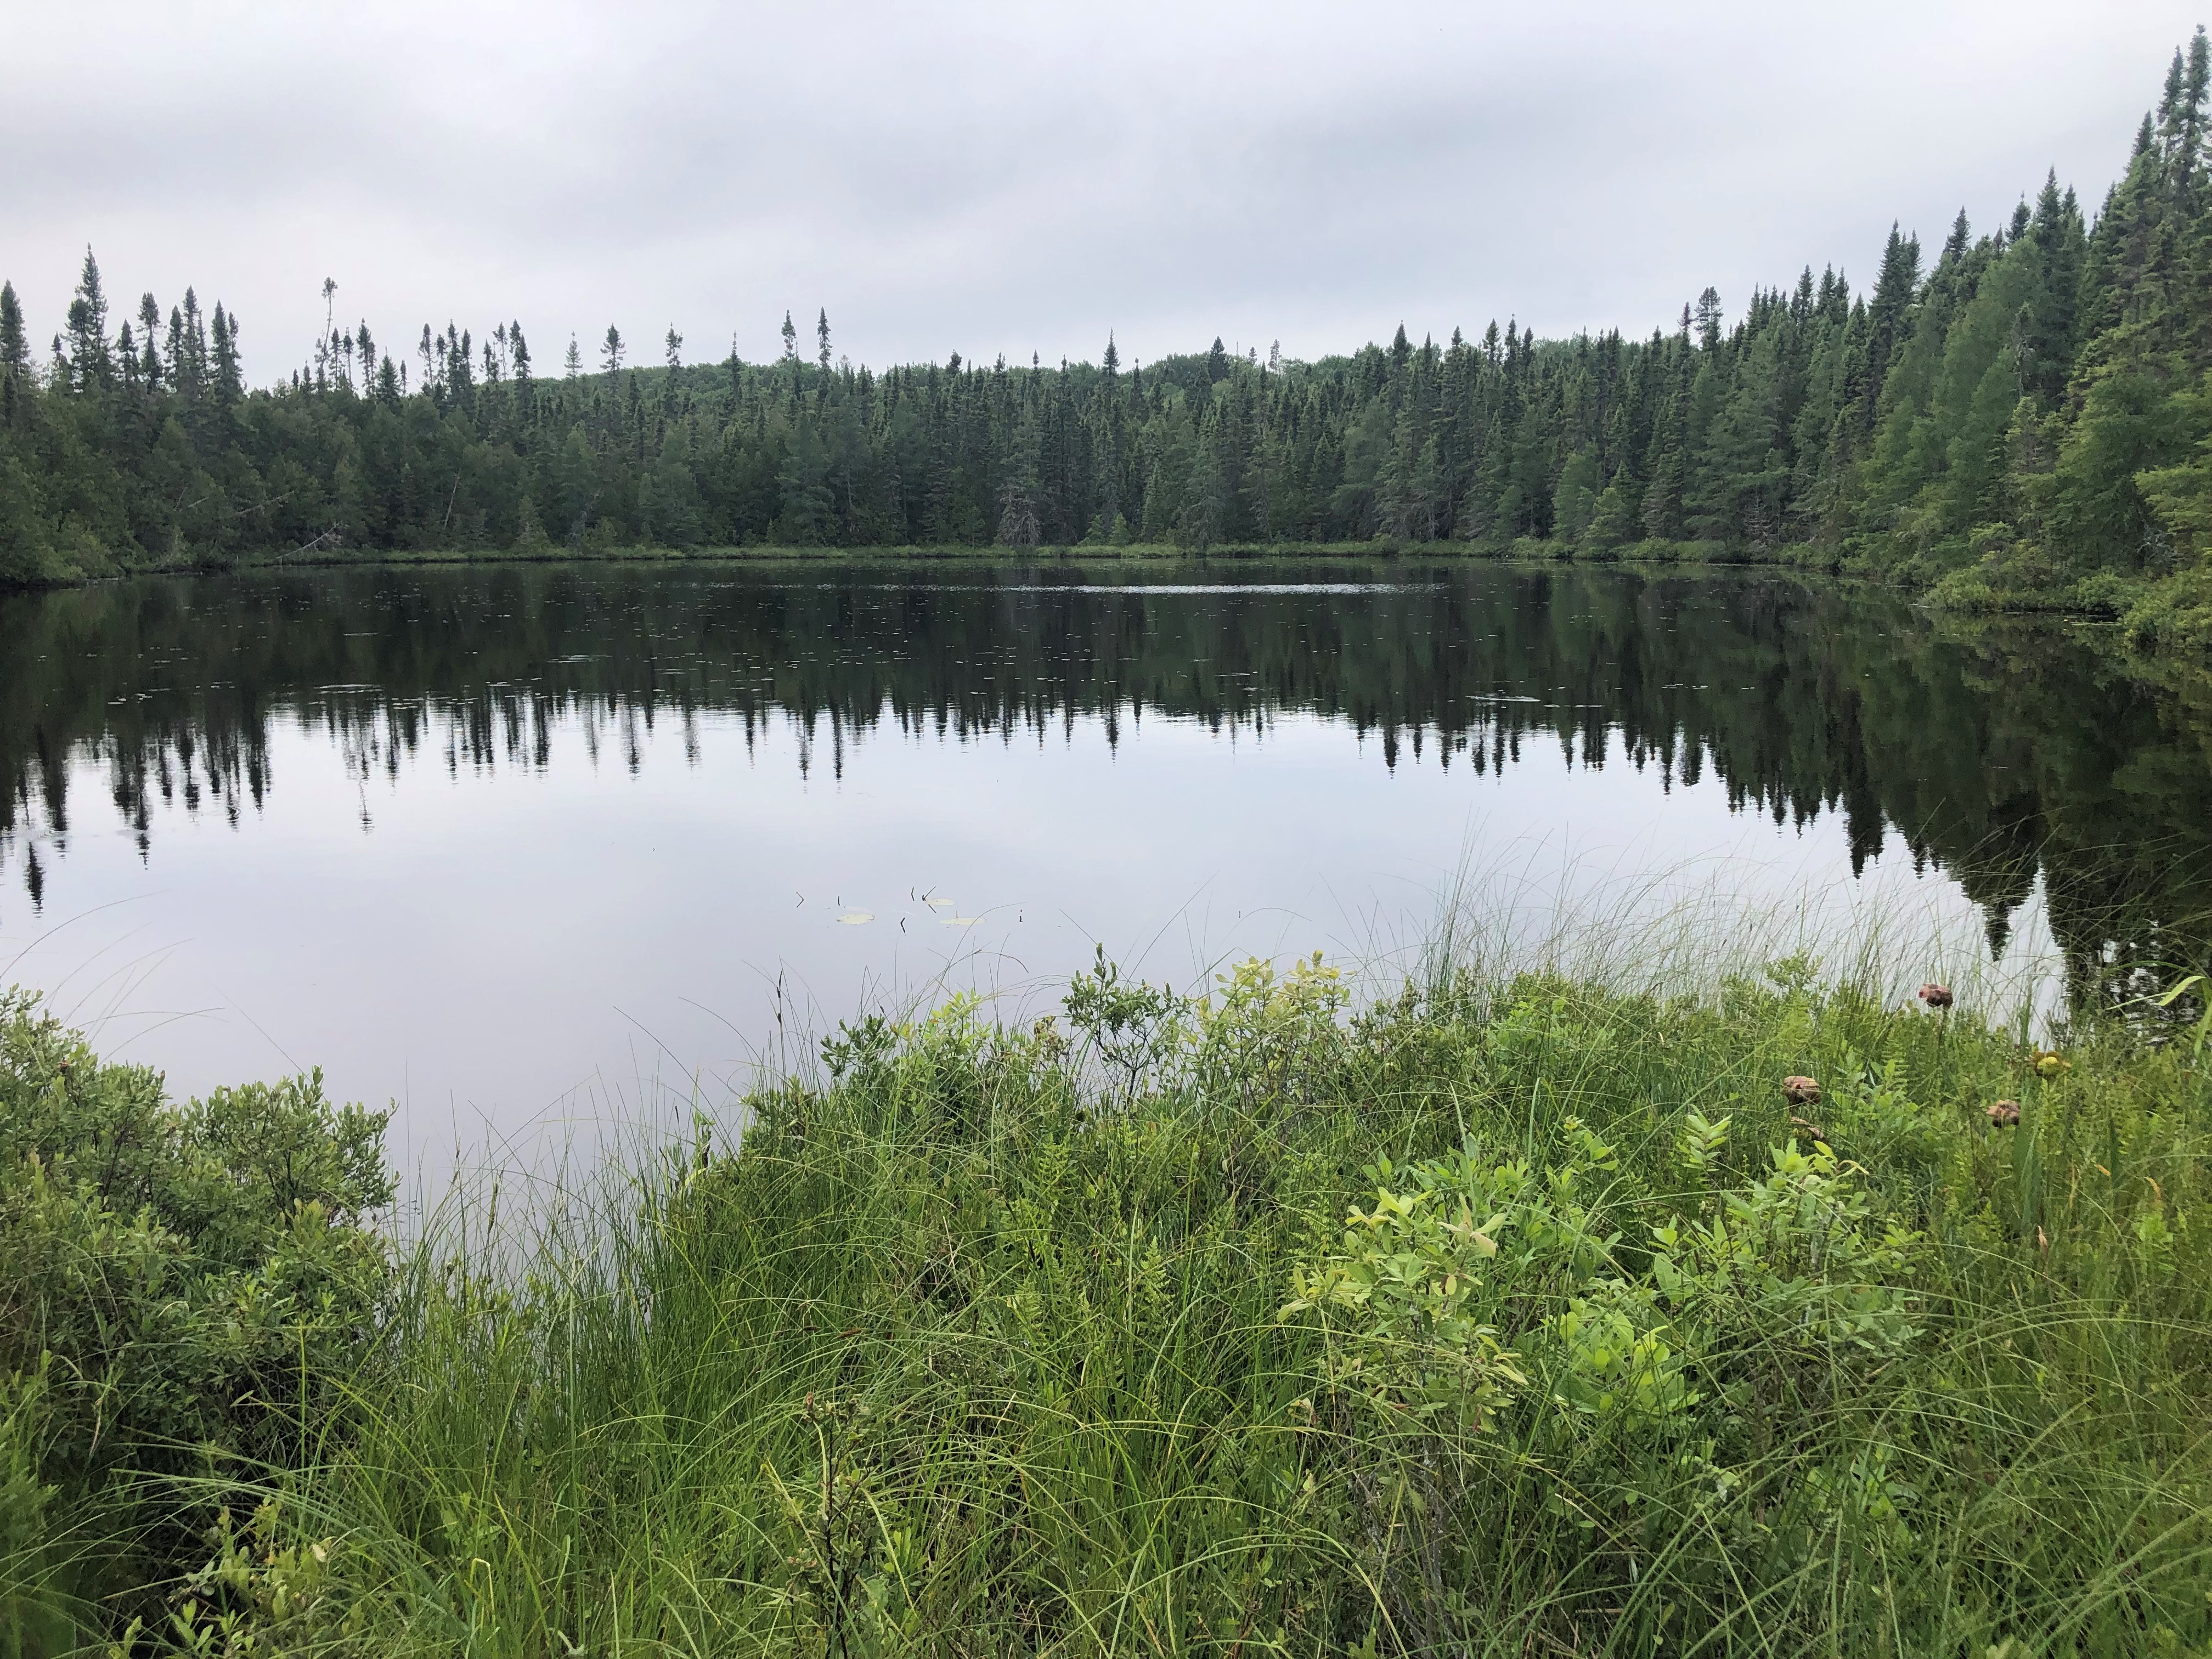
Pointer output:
x,y
91,367
15,348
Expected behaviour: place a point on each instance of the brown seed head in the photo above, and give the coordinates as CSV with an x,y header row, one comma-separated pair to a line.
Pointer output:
x,y
2004,1114
1934,995
1801,1090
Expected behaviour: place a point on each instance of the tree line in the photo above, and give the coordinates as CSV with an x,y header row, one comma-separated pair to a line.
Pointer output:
x,y
2027,412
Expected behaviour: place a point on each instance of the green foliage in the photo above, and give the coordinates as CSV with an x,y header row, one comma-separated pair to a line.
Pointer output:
x,y
1492,1317
2199,988
181,1289
1129,1022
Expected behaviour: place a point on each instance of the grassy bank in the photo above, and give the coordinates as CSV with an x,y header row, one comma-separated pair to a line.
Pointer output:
x,y
1502,1316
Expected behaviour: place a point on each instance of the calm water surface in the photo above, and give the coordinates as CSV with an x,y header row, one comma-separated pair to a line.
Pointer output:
x,y
526,845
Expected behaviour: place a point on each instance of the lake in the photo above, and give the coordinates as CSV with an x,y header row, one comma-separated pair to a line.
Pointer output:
x,y
526,848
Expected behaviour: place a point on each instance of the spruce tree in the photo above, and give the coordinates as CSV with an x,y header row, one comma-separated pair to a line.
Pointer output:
x,y
92,367
149,330
229,384
15,348
1896,286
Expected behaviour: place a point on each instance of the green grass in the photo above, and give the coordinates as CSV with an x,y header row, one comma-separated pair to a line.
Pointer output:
x,y
1058,1340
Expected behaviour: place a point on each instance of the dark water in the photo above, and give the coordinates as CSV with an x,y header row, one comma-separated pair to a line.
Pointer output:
x,y
504,841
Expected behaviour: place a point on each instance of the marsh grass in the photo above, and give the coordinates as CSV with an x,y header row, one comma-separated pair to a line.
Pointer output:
x,y
977,1342
1514,1313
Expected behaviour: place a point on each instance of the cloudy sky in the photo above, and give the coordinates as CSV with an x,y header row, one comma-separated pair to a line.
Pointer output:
x,y
987,179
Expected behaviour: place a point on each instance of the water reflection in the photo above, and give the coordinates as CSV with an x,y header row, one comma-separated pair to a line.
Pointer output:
x,y
2002,756
589,839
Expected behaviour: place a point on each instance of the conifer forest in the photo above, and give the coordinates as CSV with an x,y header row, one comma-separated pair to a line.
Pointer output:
x,y
2016,416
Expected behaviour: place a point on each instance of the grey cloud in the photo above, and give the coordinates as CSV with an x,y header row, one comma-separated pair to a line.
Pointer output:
x,y
988,178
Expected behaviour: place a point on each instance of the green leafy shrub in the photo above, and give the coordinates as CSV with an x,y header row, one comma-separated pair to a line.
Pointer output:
x,y
2175,614
181,1287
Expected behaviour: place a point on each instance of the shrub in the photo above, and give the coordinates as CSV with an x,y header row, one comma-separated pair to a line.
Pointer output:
x,y
2175,614
180,1288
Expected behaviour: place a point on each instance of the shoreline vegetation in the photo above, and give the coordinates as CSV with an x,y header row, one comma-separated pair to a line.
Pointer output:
x,y
2135,614
1511,1312
1525,550
2138,612
2019,419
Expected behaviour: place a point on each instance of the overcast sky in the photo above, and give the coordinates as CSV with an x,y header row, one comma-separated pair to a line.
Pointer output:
x,y
990,178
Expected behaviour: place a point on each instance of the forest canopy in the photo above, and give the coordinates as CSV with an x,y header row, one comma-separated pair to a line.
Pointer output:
x,y
2020,416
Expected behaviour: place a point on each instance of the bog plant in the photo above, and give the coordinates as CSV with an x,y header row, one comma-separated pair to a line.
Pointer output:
x,y
185,1290
1493,1318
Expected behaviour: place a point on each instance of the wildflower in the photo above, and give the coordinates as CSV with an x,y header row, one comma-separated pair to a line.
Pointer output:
x,y
1801,1090
2004,1114
1937,996
2049,1063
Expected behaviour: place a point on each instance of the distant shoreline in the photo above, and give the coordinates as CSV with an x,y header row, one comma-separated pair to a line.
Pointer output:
x,y
1649,555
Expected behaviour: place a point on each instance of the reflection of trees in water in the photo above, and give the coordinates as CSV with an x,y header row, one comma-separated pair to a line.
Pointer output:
x,y
2000,754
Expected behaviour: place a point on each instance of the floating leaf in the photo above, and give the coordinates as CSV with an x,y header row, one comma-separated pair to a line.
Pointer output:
x,y
854,918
